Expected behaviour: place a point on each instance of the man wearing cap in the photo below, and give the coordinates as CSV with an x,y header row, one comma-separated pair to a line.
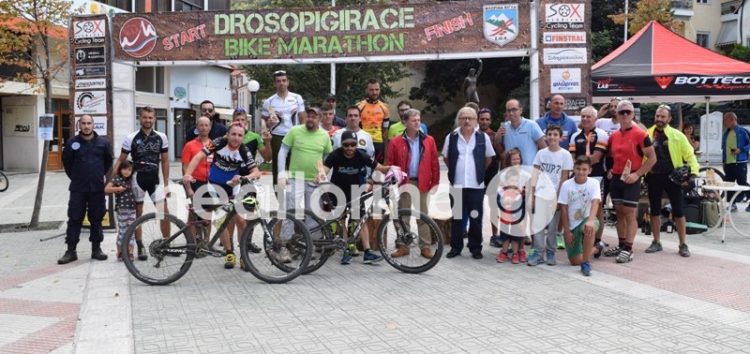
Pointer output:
x,y
281,112
364,140
349,166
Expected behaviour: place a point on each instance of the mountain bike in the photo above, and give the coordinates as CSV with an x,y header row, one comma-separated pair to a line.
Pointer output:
x,y
170,255
4,182
393,232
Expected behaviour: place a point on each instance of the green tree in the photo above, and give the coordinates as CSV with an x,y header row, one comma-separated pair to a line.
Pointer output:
x,y
313,80
30,45
606,35
650,10
739,52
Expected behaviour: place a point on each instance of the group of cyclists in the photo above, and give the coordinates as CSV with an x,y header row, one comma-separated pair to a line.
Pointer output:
x,y
306,145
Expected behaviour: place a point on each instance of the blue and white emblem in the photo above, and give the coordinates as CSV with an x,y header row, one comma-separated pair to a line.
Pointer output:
x,y
501,23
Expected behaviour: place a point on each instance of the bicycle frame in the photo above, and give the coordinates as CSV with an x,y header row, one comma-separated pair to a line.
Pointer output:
x,y
355,233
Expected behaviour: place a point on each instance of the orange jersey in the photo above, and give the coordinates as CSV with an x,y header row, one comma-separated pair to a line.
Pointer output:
x,y
373,115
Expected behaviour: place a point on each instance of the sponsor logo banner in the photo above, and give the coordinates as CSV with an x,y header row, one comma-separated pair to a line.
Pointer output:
x,y
89,84
570,13
556,56
90,55
738,84
572,37
501,23
90,102
565,80
100,125
324,33
88,29
90,71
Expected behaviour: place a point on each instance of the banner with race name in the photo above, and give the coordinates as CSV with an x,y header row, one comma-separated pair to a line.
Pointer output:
x,y
324,32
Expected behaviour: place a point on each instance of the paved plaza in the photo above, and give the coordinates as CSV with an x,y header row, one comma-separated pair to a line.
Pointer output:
x,y
659,303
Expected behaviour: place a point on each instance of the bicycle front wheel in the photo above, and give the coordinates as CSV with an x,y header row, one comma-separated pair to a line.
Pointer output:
x,y
284,246
168,249
4,182
412,243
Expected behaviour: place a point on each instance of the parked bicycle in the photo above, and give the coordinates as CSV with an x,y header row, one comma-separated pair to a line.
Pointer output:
x,y
402,230
4,182
170,256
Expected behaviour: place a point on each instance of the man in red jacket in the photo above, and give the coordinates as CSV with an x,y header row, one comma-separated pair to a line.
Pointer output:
x,y
416,154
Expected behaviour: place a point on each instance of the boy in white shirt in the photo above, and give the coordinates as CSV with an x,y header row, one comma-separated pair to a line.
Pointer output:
x,y
580,199
552,166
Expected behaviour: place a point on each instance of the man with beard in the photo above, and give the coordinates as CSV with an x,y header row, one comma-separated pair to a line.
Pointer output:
x,y
672,151
86,158
148,148
218,129
375,118
308,145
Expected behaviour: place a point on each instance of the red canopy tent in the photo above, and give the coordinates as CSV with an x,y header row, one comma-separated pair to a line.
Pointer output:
x,y
657,65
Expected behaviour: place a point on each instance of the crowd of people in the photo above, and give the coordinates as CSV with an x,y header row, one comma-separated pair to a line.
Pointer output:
x,y
527,168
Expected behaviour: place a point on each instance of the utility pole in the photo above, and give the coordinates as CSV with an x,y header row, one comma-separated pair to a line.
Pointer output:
x,y
626,22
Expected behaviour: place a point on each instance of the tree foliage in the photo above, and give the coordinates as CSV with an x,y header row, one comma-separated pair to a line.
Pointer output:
x,y
739,52
606,35
313,80
649,10
33,39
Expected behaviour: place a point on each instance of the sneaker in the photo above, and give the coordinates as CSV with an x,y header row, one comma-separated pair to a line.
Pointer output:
x,y
624,256
586,268
495,241
515,259
612,252
347,257
68,257
560,242
599,248
229,260
522,257
370,257
655,247
684,251
535,259
551,259
400,252
353,248
426,252
142,254
253,248
282,255
502,257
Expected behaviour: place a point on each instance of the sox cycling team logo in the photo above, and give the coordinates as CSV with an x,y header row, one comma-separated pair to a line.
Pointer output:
x,y
138,37
518,212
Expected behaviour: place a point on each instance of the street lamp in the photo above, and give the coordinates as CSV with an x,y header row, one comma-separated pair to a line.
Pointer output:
x,y
254,86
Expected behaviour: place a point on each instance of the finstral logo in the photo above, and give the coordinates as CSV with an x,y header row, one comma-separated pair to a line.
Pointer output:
x,y
138,37
663,81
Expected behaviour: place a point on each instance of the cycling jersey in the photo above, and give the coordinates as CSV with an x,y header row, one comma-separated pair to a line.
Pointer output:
x,y
584,144
374,118
286,109
628,144
228,162
146,150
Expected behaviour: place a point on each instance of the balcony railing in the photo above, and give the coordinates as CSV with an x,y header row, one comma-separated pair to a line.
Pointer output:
x,y
730,7
682,4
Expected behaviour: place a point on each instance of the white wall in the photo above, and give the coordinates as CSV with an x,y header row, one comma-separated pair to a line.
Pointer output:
x,y
123,103
22,150
202,83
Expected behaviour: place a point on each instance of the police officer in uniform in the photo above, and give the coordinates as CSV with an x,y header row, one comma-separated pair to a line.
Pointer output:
x,y
87,157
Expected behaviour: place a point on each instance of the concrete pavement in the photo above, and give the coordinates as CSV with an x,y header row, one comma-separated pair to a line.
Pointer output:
x,y
657,303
